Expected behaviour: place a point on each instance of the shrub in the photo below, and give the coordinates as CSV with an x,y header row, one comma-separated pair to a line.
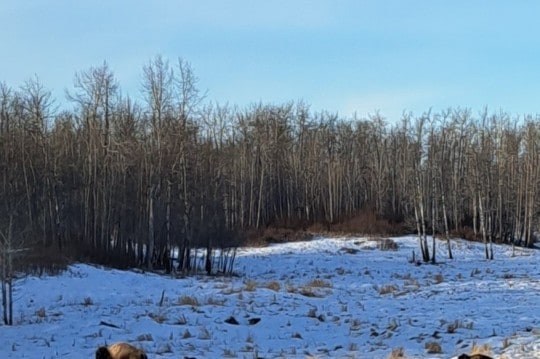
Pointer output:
x,y
164,349
452,327
356,324
145,338
312,313
308,292
439,278
40,313
316,288
367,222
481,349
433,348
291,289
188,300
216,302
465,233
273,285
276,235
387,289
397,353
319,283
158,318
250,285
204,334
182,320
39,261
387,244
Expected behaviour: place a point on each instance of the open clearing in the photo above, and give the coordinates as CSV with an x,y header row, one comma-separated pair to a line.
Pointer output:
x,y
326,298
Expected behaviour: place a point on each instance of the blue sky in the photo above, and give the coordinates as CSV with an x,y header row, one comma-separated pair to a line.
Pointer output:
x,y
340,56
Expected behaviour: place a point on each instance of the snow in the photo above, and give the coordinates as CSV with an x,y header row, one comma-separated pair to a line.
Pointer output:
x,y
325,298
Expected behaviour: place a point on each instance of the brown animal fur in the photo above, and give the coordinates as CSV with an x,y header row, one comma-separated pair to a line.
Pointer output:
x,y
474,356
120,351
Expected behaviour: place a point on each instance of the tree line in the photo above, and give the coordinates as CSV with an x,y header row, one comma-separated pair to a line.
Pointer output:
x,y
138,182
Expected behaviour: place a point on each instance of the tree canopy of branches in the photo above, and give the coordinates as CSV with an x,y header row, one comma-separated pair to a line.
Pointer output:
x,y
126,182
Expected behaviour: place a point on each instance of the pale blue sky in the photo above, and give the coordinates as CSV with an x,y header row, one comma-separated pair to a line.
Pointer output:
x,y
337,55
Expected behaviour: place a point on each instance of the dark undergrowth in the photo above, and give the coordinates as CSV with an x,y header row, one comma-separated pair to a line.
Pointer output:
x,y
49,260
41,261
365,222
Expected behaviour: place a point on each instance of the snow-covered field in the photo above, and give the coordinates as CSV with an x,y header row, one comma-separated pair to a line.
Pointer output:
x,y
326,298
